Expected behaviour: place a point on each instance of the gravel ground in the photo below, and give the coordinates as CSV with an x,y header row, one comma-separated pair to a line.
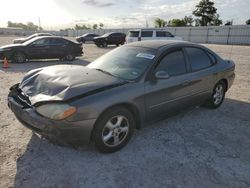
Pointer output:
x,y
198,148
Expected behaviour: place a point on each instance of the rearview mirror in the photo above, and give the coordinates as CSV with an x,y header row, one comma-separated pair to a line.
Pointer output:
x,y
161,75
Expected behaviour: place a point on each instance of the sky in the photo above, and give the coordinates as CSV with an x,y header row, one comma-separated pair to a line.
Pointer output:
x,y
59,14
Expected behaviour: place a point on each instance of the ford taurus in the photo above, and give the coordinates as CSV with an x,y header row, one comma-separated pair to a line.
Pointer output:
x,y
120,91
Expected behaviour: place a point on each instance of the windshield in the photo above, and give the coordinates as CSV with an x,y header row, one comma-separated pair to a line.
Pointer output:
x,y
30,41
31,36
127,63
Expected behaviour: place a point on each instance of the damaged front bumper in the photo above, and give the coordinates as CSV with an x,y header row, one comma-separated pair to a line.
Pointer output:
x,y
63,132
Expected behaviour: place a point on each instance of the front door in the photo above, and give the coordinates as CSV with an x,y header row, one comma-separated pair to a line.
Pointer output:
x,y
39,49
167,96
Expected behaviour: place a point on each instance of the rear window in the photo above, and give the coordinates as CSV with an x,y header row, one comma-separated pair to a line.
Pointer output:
x,y
163,34
133,34
146,33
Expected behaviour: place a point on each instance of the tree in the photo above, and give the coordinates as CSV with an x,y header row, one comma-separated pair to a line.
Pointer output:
x,y
101,25
229,22
248,22
160,22
95,26
216,20
206,13
28,26
78,27
188,20
178,22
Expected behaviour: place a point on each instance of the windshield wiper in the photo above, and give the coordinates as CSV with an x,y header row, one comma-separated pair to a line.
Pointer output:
x,y
106,72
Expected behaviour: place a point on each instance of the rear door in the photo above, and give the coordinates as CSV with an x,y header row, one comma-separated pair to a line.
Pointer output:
x,y
59,47
201,76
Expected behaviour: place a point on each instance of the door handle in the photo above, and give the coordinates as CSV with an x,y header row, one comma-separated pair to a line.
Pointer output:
x,y
185,83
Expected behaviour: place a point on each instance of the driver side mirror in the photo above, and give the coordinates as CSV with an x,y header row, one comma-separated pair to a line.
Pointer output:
x,y
161,75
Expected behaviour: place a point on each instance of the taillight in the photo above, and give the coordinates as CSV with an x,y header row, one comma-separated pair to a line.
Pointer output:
x,y
139,38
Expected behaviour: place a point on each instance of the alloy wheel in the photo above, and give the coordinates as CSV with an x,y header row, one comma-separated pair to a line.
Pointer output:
x,y
115,131
218,94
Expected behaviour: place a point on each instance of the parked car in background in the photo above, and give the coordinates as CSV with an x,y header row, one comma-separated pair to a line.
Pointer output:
x,y
149,34
22,40
86,37
110,38
48,47
127,87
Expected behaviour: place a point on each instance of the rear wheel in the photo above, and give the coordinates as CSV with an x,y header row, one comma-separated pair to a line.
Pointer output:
x,y
69,57
19,57
113,130
218,95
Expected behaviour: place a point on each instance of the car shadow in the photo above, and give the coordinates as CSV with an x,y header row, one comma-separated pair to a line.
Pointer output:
x,y
166,153
27,66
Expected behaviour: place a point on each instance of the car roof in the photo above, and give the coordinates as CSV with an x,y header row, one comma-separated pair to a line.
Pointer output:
x,y
149,29
157,44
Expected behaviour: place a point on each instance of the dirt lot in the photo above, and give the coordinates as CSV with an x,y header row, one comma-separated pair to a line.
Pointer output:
x,y
198,148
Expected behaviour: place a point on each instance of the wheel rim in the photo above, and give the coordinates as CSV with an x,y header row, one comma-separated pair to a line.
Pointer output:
x,y
115,131
69,57
19,57
218,94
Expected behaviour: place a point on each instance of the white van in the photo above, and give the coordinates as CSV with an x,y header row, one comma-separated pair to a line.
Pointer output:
x,y
149,34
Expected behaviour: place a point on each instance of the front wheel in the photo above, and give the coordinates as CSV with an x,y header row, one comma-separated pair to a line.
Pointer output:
x,y
104,44
218,95
113,130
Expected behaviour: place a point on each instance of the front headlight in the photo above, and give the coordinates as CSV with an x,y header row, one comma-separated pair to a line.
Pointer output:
x,y
56,111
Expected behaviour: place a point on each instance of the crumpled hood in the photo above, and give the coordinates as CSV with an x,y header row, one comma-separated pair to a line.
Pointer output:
x,y
63,82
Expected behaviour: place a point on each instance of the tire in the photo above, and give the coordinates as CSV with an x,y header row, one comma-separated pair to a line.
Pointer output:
x,y
218,95
113,130
104,44
19,57
117,45
69,57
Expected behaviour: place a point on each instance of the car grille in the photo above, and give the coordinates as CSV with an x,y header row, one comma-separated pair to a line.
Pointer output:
x,y
19,97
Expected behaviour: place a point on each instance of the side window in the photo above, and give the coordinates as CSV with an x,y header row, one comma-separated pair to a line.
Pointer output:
x,y
133,34
160,33
41,42
146,33
56,41
173,63
213,59
163,34
169,34
198,58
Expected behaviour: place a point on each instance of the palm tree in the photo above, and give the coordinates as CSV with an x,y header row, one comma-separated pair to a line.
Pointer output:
x,y
160,22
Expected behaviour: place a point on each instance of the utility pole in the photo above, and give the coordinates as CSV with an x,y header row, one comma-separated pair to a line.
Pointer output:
x,y
39,23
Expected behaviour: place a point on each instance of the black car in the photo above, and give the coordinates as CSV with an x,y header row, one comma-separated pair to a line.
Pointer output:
x,y
48,47
110,38
86,37
22,40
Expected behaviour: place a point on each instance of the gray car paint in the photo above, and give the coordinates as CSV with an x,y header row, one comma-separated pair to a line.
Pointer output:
x,y
148,98
62,82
